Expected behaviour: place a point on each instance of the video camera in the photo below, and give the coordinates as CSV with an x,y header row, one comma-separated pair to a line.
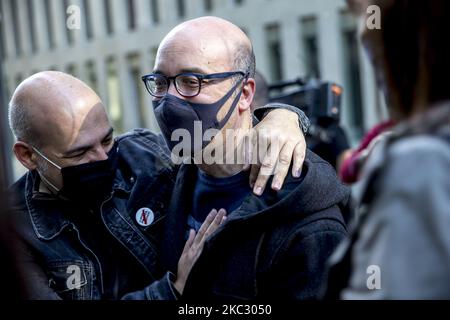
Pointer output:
x,y
321,102
316,98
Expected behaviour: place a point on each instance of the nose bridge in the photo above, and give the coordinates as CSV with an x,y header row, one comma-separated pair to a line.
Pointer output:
x,y
171,87
98,153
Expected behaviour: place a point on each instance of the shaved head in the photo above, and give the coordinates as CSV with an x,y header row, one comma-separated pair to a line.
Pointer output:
x,y
58,120
218,37
50,104
208,45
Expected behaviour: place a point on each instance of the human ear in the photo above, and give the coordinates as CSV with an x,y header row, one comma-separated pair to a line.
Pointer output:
x,y
248,92
24,153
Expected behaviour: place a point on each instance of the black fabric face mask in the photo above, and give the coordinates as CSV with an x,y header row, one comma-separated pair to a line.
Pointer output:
x,y
174,113
88,183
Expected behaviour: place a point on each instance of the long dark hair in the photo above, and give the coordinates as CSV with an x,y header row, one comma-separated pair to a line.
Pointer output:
x,y
415,53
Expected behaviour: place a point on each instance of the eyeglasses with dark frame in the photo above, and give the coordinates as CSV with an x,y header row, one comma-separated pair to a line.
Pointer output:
x,y
188,85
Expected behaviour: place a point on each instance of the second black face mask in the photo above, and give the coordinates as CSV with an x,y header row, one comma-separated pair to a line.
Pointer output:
x,y
91,182
174,113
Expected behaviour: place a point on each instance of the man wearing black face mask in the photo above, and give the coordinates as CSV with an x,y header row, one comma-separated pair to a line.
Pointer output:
x,y
88,183
273,245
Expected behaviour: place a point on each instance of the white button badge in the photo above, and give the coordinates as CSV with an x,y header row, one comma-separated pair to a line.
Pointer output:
x,y
145,217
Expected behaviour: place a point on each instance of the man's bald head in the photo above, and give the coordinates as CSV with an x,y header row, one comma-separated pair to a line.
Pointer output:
x,y
50,104
58,120
219,37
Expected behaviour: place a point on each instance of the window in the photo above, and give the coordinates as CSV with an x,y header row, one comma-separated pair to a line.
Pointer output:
x,y
91,80
49,24
114,96
137,89
108,16
31,25
311,54
7,90
2,25
153,51
154,5
274,52
87,19
352,74
353,77
69,33
72,69
131,13
19,79
16,31
181,9
209,5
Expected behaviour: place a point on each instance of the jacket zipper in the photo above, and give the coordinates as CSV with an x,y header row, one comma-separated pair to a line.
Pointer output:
x,y
104,223
96,258
131,252
87,248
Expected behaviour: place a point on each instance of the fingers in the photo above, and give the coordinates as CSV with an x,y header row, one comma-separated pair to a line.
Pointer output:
x,y
211,224
260,148
194,246
254,170
217,222
282,166
189,241
201,232
261,180
280,131
186,261
267,167
299,158
250,148
246,153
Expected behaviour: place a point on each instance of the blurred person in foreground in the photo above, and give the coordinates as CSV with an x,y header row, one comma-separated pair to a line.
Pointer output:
x,y
350,162
11,282
400,243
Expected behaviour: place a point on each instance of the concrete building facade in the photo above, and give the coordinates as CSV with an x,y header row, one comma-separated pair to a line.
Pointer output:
x,y
110,43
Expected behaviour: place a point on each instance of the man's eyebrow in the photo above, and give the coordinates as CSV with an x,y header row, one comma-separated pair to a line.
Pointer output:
x,y
193,70
110,132
86,147
184,70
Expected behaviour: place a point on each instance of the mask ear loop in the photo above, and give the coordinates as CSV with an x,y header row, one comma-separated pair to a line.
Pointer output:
x,y
48,182
235,102
40,173
39,153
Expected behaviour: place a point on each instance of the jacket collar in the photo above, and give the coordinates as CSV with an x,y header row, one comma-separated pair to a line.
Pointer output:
x,y
292,200
48,212
48,225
